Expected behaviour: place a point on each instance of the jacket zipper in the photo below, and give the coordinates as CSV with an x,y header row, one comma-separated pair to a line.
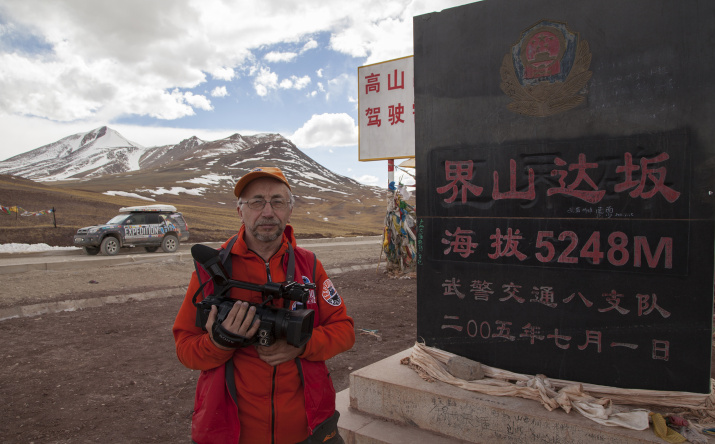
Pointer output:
x,y
268,272
273,411
273,376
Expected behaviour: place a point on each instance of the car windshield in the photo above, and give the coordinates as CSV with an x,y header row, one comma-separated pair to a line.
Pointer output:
x,y
116,220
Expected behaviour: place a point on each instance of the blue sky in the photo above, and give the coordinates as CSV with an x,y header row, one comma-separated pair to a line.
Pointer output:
x,y
160,71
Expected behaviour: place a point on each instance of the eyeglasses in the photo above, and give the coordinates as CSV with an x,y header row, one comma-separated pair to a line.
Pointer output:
x,y
259,204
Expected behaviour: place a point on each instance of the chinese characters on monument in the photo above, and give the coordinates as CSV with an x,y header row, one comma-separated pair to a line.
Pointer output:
x,y
556,252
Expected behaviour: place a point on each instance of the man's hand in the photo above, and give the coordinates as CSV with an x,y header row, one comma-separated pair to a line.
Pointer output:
x,y
240,320
279,352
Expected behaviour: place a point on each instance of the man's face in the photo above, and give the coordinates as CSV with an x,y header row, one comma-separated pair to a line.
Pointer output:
x,y
266,224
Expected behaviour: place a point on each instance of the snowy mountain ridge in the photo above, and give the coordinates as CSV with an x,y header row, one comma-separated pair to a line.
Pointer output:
x,y
107,161
105,151
100,151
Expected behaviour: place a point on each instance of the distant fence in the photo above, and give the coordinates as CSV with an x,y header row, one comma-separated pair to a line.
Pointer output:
x,y
19,211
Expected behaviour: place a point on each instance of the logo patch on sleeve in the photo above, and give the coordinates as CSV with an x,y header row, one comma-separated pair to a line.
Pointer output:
x,y
330,294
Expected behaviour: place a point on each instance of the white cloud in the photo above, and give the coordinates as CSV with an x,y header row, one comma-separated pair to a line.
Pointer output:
x,y
265,81
295,82
226,74
341,86
319,73
24,83
311,44
198,101
275,56
289,56
219,91
368,179
326,130
103,60
385,32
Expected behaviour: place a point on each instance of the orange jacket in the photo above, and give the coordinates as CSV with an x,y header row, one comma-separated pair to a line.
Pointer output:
x,y
270,400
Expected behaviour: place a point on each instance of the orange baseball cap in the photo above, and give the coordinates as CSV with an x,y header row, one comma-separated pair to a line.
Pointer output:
x,y
257,173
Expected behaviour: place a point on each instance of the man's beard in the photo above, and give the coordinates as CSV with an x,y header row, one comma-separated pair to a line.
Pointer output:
x,y
270,236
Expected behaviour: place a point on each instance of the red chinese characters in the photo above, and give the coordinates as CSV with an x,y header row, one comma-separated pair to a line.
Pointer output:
x,y
391,105
395,113
394,83
656,176
461,242
372,83
506,245
568,247
592,195
459,174
529,194
373,116
574,180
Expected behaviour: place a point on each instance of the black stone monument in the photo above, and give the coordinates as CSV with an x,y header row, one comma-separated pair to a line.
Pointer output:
x,y
565,155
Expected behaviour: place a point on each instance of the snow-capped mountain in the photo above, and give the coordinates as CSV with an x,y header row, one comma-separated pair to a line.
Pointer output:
x,y
105,161
98,152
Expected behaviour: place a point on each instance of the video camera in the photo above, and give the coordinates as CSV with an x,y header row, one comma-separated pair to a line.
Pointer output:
x,y
296,326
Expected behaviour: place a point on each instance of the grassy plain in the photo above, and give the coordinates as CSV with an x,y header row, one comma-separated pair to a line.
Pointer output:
x,y
210,218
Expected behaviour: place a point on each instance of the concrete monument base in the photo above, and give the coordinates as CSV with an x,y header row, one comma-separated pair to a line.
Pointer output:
x,y
387,402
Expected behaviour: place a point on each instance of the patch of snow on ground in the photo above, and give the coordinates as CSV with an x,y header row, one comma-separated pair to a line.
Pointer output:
x,y
315,176
229,149
125,194
242,161
133,157
209,179
175,191
30,248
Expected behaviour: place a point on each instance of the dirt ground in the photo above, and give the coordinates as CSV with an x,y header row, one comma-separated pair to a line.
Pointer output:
x,y
110,373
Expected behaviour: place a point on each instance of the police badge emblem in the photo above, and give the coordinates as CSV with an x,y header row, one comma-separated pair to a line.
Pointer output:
x,y
546,71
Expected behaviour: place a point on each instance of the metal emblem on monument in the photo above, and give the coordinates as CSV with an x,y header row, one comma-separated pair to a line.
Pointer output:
x,y
546,71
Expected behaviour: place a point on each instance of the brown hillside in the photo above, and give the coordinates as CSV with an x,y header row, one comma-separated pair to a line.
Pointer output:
x,y
210,218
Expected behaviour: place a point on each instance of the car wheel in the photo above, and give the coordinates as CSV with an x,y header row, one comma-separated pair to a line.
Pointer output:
x,y
170,243
110,246
151,249
91,250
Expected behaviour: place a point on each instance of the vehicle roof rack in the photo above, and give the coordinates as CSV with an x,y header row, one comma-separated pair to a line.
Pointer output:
x,y
149,208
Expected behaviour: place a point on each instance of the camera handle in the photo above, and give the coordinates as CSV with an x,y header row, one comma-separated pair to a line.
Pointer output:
x,y
269,290
210,259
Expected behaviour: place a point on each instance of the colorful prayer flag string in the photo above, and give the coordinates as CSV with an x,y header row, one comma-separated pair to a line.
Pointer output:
x,y
23,212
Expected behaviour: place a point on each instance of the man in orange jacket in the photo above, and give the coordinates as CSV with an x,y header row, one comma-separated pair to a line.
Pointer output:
x,y
257,394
